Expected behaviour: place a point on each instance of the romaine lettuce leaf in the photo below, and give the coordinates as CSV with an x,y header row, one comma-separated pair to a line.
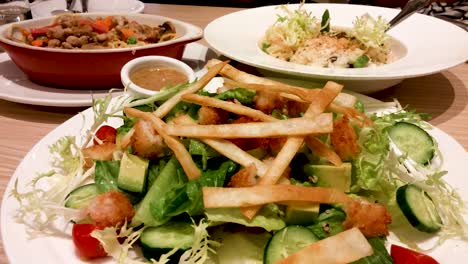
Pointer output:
x,y
244,96
106,174
380,255
183,196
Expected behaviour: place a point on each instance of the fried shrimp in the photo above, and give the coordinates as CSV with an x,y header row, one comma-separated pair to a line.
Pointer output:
x,y
267,101
371,218
146,142
211,116
110,209
344,139
244,177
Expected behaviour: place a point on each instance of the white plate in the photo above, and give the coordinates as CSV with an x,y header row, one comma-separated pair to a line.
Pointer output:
x,y
43,8
432,45
16,87
61,250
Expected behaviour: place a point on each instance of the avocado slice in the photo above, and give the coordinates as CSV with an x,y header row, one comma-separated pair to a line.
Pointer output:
x,y
132,174
302,213
338,177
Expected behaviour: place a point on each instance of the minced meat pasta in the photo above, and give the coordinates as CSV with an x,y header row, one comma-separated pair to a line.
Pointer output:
x,y
75,31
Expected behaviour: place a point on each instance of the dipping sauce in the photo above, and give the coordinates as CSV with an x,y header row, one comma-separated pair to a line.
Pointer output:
x,y
156,78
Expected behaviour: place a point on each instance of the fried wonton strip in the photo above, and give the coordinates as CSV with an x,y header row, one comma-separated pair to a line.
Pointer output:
x,y
357,116
323,151
294,127
302,93
221,197
233,152
183,156
343,103
345,100
167,106
345,247
228,106
292,145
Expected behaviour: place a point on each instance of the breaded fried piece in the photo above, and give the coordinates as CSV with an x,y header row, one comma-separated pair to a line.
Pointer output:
x,y
344,139
110,209
211,116
267,101
371,218
146,142
244,177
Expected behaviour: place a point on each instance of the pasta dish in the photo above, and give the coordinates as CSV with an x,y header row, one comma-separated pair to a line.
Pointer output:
x,y
75,32
301,38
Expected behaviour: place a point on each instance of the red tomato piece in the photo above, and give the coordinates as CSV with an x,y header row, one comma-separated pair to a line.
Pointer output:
x,y
87,246
105,134
99,27
403,255
42,31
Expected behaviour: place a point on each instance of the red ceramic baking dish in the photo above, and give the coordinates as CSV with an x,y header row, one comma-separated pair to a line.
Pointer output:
x,y
90,68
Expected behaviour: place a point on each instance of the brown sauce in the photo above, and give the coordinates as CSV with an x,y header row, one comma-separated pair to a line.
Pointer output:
x,y
155,78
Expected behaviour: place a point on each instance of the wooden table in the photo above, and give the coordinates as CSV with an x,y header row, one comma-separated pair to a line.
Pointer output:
x,y
443,95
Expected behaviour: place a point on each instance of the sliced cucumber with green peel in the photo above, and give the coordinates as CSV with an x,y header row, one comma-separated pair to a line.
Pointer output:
x,y
156,241
81,196
412,141
286,242
418,208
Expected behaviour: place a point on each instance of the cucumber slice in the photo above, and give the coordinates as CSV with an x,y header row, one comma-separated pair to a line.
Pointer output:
x,y
413,141
81,196
418,208
286,242
156,241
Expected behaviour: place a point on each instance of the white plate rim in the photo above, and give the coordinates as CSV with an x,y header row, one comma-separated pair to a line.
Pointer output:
x,y
217,32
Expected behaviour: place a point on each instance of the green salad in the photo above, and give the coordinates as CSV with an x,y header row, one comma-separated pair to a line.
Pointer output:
x,y
254,171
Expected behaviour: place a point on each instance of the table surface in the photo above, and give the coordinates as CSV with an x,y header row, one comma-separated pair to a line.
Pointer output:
x,y
443,95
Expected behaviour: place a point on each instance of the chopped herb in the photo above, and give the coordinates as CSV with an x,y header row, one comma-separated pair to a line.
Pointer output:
x,y
131,40
325,24
361,61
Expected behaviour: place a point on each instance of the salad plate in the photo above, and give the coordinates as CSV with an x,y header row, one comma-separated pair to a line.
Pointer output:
x,y
54,249
420,43
16,87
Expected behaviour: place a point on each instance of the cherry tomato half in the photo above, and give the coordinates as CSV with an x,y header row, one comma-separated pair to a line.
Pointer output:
x,y
403,255
87,246
105,134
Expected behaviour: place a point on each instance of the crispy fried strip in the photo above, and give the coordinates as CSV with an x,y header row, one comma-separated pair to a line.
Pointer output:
x,y
302,93
292,145
314,144
323,151
220,197
345,247
341,104
357,116
228,106
170,103
294,127
183,156
345,100
233,152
